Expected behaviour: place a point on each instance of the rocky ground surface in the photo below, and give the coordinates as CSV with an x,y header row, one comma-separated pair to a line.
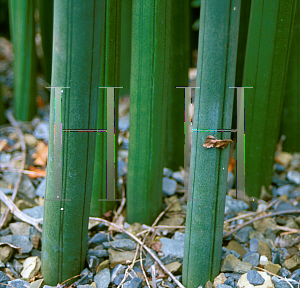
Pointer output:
x,y
260,247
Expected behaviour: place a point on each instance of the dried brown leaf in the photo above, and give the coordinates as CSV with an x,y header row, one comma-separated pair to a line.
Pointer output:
x,y
211,141
156,246
41,154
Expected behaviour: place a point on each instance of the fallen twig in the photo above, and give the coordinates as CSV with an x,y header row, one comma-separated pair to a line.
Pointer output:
x,y
142,266
153,276
261,217
251,213
130,266
274,275
145,247
12,120
17,212
59,285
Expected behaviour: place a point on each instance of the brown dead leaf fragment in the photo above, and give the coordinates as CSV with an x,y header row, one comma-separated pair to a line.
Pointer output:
x,y
41,154
211,141
39,172
156,246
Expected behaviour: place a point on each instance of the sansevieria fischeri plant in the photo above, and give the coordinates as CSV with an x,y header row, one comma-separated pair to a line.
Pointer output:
x,y
76,65
217,51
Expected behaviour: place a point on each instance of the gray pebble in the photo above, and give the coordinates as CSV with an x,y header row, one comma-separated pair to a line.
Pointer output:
x,y
255,278
102,279
169,186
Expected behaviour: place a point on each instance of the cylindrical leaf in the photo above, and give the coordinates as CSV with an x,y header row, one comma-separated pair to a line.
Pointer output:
x,y
218,36
178,76
290,122
76,64
148,90
22,27
110,75
266,61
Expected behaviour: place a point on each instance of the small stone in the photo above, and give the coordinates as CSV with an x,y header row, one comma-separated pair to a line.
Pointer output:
x,y
31,266
85,286
285,273
279,255
257,235
263,260
255,278
103,265
269,234
273,268
6,253
237,255
262,224
119,269
37,284
244,283
92,262
234,245
118,257
220,279
41,131
102,279
285,158
295,276
283,206
86,278
281,283
291,223
134,228
35,212
253,244
19,228
178,236
119,279
264,249
294,176
292,263
229,263
125,244
4,232
172,221
178,177
98,239
133,283
244,233
174,267
242,267
122,168
40,190
285,189
3,279
172,247
252,258
176,207
21,241
19,283
26,187
169,186
98,253
123,123
230,282
167,172
223,286
233,205
17,265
